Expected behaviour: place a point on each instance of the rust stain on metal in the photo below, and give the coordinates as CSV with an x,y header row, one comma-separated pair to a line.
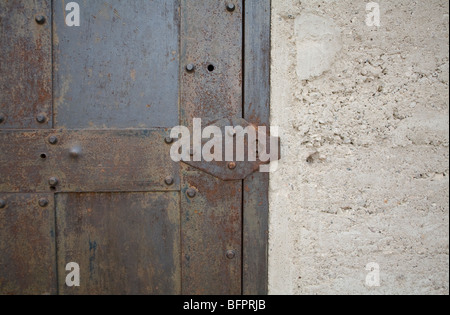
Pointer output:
x,y
211,89
211,225
211,36
25,63
124,243
84,161
236,170
27,245
112,65
126,214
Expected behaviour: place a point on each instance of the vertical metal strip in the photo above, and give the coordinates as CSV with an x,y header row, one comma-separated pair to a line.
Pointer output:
x,y
55,219
52,38
25,63
211,89
211,41
55,222
257,111
243,115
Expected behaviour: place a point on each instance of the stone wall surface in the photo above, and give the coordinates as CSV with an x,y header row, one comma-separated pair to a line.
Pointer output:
x,y
364,120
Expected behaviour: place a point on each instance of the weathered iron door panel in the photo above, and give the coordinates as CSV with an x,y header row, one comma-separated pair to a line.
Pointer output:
x,y
117,70
125,243
27,244
27,229
211,40
25,64
89,178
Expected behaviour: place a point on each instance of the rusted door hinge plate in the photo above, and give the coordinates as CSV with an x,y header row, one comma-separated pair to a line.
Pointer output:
x,y
244,149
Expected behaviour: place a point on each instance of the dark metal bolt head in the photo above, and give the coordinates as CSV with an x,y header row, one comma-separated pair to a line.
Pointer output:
x,y
2,203
232,165
191,192
190,67
40,19
231,254
41,118
169,180
53,181
53,140
2,118
169,140
43,202
231,7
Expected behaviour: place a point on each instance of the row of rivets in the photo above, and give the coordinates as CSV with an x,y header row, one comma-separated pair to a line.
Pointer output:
x,y
231,166
191,67
76,151
53,181
169,180
43,202
191,192
40,118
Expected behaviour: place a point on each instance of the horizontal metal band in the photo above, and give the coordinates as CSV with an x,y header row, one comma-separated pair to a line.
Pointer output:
x,y
87,161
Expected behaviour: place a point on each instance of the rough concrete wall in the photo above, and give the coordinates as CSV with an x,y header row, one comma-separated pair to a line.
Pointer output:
x,y
364,118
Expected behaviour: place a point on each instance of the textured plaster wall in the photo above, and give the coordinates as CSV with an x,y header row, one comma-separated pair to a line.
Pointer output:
x,y
364,118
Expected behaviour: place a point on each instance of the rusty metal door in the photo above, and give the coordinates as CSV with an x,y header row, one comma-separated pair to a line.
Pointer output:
x,y
90,90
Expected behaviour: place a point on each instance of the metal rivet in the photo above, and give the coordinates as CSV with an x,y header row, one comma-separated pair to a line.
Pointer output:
x,y
232,165
53,140
43,202
191,192
2,118
75,151
41,118
231,254
40,19
2,204
53,181
231,7
169,140
190,67
169,180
